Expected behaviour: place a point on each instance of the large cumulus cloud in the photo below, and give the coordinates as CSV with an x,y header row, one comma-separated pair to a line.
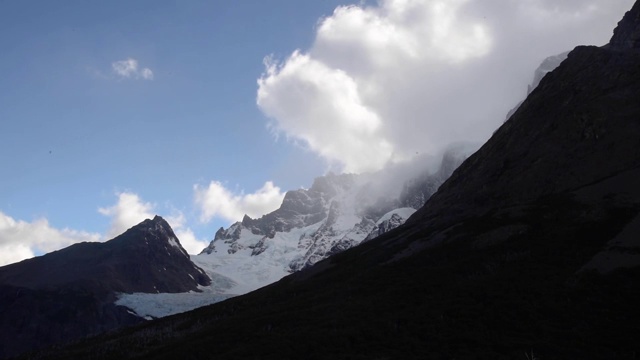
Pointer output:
x,y
385,81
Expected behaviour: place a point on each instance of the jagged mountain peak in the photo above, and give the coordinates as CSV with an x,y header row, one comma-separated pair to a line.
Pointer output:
x,y
157,223
152,232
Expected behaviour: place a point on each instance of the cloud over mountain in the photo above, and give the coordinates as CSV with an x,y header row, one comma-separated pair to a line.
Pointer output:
x,y
383,82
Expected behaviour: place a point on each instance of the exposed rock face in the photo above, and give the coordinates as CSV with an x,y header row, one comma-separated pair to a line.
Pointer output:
x,y
69,293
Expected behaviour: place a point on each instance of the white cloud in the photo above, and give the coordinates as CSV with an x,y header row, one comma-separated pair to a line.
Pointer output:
x,y
217,201
129,69
21,240
130,210
146,74
381,83
311,101
189,241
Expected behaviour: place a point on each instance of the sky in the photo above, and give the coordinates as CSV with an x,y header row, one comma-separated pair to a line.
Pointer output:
x,y
203,111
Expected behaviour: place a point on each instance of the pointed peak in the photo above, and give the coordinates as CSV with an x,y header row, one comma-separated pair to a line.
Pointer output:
x,y
158,227
157,221
246,220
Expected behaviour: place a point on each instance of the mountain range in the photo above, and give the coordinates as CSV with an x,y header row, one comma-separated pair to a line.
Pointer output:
x,y
528,250
336,213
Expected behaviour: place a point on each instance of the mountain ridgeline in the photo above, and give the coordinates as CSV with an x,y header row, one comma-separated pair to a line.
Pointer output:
x,y
336,213
333,196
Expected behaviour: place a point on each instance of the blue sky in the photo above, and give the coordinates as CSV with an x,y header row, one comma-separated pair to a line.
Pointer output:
x,y
203,110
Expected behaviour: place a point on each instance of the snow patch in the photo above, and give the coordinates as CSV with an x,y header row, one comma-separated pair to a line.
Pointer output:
x,y
164,304
174,243
404,213
153,306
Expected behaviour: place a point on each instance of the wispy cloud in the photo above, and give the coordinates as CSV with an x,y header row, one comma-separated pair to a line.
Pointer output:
x,y
129,69
216,200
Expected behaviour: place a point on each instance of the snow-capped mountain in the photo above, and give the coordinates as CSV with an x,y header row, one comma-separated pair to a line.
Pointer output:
x,y
336,213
